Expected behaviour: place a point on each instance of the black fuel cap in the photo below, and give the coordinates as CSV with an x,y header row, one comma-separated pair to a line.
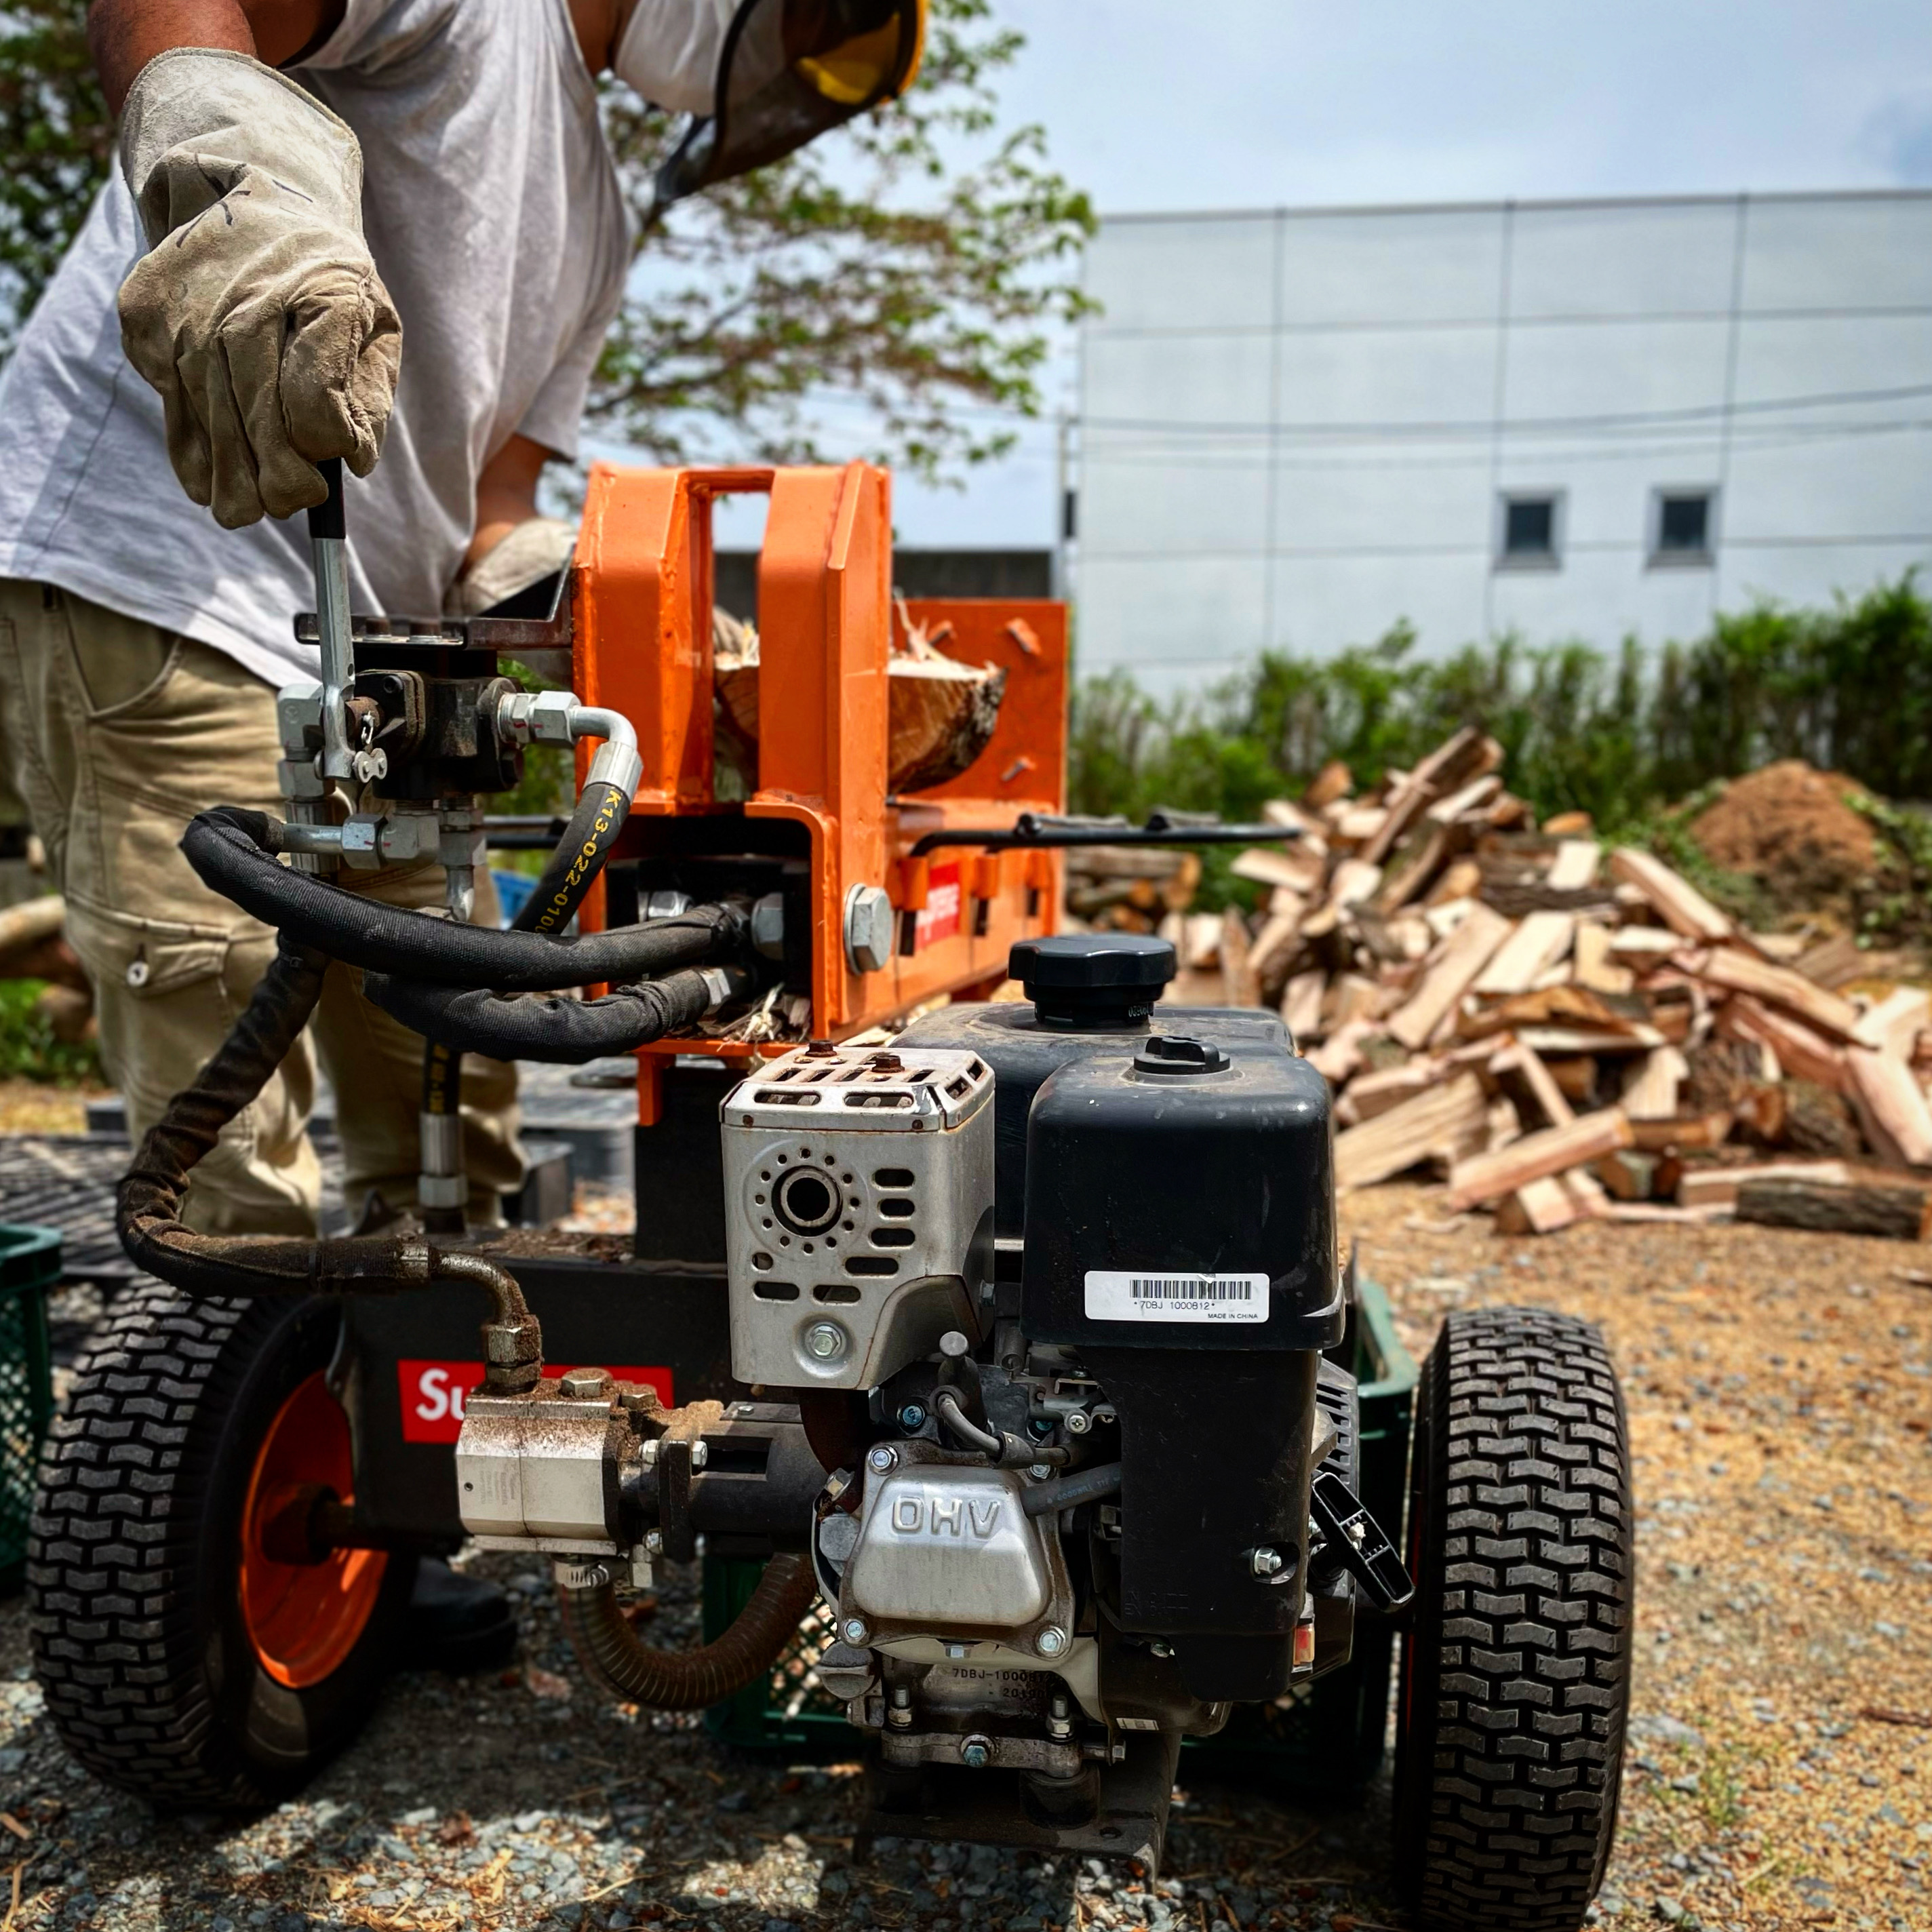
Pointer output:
x,y
1175,1057
1106,982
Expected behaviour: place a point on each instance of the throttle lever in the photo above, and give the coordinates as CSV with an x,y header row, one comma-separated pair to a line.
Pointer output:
x,y
1358,1540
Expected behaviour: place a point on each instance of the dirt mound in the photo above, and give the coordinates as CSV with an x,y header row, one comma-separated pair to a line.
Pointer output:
x,y
1789,827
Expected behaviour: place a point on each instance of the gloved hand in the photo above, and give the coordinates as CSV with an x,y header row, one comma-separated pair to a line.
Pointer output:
x,y
258,315
536,548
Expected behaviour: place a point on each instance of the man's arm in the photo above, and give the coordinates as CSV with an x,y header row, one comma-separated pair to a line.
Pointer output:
x,y
124,35
506,495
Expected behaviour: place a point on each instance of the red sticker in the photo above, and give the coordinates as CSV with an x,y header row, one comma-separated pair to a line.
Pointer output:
x,y
939,918
433,1393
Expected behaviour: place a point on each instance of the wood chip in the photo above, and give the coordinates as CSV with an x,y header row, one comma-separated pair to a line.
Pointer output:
x,y
1575,865
1464,955
1678,903
1435,1124
1896,1209
1891,1108
1738,972
1537,944
1488,1176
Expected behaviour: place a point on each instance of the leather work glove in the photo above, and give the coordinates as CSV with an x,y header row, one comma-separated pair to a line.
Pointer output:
x,y
258,314
536,548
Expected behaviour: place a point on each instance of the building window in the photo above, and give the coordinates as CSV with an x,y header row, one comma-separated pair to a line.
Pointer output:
x,y
1530,531
1683,526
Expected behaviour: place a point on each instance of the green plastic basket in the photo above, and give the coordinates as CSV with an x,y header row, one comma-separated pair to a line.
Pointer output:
x,y
30,1265
1328,1737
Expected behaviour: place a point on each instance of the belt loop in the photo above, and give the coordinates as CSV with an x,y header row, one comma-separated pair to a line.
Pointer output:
x,y
50,597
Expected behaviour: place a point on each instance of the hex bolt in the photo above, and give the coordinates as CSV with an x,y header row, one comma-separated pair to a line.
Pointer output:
x,y
825,1341
912,1418
855,1630
1059,1717
654,1543
583,1383
1266,1562
700,1454
1039,1471
1051,1642
900,1716
976,1752
1160,1647
884,1457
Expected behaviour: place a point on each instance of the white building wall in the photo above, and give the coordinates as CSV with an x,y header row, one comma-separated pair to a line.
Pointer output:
x,y
1297,426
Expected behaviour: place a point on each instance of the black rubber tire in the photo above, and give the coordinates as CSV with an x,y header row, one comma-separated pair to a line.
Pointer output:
x,y
1516,1670
134,1554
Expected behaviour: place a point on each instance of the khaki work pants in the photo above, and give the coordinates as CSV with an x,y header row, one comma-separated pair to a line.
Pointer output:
x,y
116,733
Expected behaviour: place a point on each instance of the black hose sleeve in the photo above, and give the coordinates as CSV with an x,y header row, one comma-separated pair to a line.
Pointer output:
x,y
233,851
607,1644
149,1200
1065,1492
573,868
534,1026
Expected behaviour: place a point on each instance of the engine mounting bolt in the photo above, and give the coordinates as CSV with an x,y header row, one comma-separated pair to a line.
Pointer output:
x,y
825,1340
882,1457
855,1631
654,1543
1266,1562
976,1753
912,1418
1051,1642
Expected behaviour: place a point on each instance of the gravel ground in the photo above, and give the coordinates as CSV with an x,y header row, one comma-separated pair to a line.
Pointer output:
x,y
1778,1388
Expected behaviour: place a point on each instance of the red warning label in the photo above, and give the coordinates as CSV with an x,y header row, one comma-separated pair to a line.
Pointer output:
x,y
939,918
434,1393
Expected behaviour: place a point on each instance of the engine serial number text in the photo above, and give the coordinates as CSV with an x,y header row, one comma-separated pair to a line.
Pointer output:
x,y
1121,1294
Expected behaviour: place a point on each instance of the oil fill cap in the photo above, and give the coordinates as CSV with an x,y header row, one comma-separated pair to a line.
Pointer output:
x,y
1173,1056
1100,981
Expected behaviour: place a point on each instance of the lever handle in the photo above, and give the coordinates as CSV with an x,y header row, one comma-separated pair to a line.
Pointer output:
x,y
326,518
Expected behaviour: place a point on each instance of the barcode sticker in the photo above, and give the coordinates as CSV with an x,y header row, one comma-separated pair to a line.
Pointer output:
x,y
1121,1294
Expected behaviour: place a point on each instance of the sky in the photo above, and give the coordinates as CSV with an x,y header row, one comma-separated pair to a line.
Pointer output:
x,y
1153,105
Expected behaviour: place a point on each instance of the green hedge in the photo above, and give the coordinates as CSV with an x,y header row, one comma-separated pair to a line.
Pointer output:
x,y
1615,734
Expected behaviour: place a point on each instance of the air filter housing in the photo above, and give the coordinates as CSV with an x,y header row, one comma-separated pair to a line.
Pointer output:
x,y
859,1212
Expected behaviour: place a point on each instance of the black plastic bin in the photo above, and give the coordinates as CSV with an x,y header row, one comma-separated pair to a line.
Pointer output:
x,y
30,1265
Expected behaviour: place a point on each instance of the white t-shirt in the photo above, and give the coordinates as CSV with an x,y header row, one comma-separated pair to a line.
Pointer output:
x,y
492,207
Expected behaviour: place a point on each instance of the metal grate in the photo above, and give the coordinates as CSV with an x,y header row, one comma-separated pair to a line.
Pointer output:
x,y
67,1181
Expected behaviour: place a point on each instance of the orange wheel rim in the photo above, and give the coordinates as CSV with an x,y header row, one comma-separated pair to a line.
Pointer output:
x,y
304,1618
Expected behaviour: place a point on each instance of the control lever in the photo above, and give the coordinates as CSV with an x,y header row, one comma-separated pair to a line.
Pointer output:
x,y
1358,1539
328,548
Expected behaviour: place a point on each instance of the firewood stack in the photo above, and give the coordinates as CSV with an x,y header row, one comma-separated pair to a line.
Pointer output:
x,y
1563,1033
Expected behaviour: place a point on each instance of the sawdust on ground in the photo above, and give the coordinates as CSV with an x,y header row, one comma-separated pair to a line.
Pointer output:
x,y
34,1107
1788,826
1780,1394
1780,1390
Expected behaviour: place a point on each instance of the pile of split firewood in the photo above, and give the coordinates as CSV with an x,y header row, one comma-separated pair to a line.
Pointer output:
x,y
1559,1031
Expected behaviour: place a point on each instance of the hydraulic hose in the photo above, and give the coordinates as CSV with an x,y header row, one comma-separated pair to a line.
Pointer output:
x,y
534,1026
573,868
149,1199
233,850
607,1646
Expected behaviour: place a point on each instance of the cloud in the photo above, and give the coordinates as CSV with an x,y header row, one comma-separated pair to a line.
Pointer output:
x,y
1898,137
